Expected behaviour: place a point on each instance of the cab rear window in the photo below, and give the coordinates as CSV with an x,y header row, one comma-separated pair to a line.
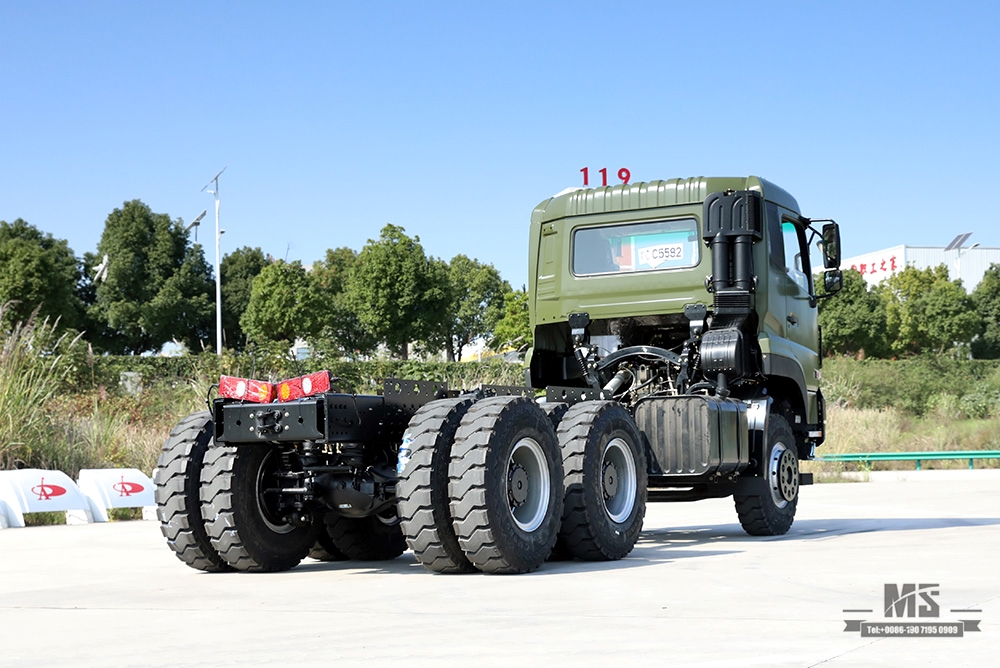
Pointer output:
x,y
636,247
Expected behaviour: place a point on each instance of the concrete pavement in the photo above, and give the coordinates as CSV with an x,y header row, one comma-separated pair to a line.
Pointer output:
x,y
695,592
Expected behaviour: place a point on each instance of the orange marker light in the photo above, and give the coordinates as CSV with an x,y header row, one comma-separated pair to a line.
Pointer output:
x,y
263,390
290,389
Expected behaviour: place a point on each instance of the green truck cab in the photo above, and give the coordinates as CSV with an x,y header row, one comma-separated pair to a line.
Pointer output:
x,y
690,302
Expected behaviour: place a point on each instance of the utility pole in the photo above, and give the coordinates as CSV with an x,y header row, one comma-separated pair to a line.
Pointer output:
x,y
218,277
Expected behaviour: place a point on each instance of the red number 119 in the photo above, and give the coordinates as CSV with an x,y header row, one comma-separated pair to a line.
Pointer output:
x,y
623,174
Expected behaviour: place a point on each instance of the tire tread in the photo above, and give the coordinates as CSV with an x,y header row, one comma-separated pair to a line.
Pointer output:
x,y
576,534
177,480
468,475
422,488
757,514
218,483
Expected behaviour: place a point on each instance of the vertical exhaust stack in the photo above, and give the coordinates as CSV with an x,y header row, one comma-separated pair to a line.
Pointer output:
x,y
733,221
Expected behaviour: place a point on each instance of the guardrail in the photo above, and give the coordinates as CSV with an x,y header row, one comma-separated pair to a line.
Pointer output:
x,y
866,457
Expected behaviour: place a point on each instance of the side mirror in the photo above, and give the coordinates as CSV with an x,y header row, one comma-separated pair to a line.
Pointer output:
x,y
833,281
831,246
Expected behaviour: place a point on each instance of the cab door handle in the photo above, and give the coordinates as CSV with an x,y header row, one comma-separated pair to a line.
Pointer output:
x,y
792,320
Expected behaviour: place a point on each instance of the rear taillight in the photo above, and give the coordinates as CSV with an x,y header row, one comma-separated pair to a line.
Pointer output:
x,y
246,389
304,386
262,392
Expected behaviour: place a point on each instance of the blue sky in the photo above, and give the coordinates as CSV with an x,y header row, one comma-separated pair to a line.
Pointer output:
x,y
455,120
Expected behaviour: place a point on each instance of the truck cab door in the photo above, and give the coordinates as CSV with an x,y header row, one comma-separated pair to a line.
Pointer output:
x,y
795,285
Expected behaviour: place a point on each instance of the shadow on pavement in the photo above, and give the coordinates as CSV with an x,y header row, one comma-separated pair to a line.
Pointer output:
x,y
662,545
811,529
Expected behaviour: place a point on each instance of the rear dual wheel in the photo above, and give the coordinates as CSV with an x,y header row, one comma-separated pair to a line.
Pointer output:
x,y
241,515
605,465
422,486
506,485
178,505
373,538
325,549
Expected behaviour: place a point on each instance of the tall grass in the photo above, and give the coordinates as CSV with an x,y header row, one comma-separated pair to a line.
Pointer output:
x,y
33,368
49,419
889,429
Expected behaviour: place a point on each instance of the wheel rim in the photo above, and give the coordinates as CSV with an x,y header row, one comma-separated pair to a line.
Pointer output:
x,y
388,517
267,479
528,484
783,475
618,480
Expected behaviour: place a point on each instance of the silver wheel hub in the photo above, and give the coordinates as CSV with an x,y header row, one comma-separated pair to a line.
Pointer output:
x,y
528,483
517,486
783,475
618,480
610,480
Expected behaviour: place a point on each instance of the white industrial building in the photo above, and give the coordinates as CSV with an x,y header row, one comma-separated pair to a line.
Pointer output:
x,y
968,264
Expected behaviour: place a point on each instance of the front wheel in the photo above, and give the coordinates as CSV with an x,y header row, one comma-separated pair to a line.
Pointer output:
x,y
239,505
771,513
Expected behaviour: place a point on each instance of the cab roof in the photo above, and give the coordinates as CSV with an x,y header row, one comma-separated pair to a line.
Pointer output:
x,y
652,195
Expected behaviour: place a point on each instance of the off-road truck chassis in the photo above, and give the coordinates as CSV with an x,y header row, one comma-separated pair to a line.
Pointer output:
x,y
675,339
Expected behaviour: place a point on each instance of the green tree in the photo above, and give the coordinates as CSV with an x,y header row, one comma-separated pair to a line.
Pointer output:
x,y
158,285
853,320
927,312
340,328
514,329
477,303
950,314
986,297
38,271
399,294
238,269
283,305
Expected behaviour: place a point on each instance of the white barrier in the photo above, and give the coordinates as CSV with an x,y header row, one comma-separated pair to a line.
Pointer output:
x,y
36,491
116,488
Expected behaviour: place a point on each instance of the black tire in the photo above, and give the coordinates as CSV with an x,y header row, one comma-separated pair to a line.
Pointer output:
x,y
178,479
236,516
605,465
325,550
555,410
506,485
422,486
373,538
772,513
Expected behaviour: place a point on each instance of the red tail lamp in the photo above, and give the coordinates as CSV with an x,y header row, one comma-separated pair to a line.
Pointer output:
x,y
304,386
246,389
262,392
